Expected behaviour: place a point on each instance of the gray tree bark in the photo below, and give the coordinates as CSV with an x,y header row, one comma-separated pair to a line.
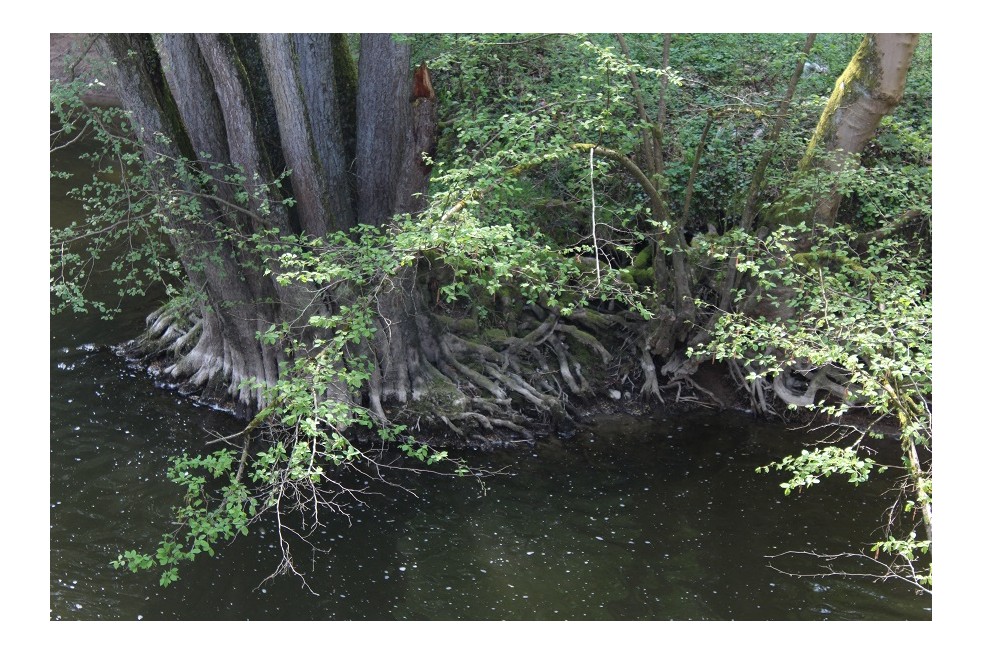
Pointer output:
x,y
262,104
383,115
226,351
302,78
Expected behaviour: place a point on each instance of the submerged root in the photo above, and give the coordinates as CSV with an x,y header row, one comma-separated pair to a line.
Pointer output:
x,y
187,347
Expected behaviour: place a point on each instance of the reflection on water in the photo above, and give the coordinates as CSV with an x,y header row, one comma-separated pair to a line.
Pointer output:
x,y
660,519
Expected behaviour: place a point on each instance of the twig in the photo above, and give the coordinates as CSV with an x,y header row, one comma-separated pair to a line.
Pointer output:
x,y
593,217
830,572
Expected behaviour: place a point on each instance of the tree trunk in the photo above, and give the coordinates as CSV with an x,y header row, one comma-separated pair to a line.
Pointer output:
x,y
869,89
383,114
747,219
303,80
242,109
225,352
260,105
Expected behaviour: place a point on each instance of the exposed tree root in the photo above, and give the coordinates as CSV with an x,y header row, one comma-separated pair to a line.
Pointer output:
x,y
707,392
650,386
468,386
586,339
800,386
187,347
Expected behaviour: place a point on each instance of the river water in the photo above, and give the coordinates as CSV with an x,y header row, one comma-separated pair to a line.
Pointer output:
x,y
631,519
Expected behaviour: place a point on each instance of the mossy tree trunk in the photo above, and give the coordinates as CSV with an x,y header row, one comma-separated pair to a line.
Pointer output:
x,y
869,89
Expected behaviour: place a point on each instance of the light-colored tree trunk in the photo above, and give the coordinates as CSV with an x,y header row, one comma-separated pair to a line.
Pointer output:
x,y
869,89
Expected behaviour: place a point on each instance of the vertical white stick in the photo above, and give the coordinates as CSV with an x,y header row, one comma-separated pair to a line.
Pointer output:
x,y
593,218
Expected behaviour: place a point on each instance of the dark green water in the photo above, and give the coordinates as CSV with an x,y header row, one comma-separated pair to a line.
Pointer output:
x,y
655,520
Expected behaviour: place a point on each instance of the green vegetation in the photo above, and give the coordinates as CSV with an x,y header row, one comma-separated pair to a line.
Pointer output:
x,y
838,332
571,213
